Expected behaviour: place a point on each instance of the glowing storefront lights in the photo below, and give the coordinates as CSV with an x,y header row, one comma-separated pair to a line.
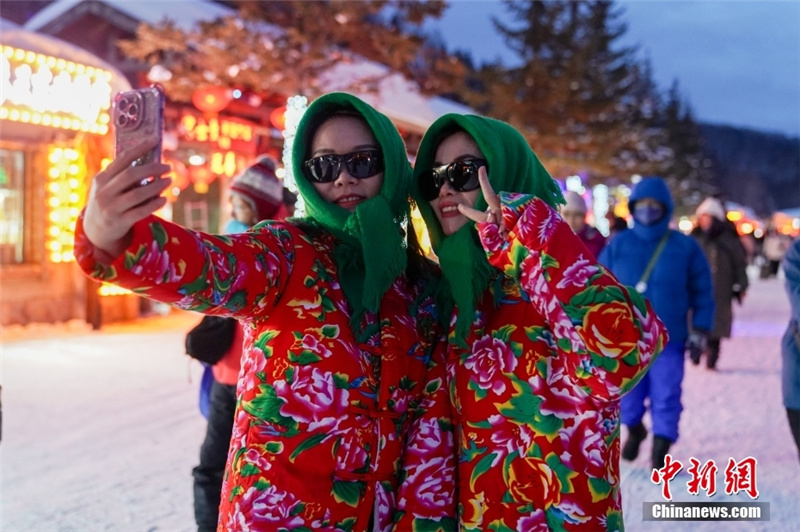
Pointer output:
x,y
44,90
64,193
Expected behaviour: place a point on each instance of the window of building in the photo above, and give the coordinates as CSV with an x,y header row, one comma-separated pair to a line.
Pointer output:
x,y
12,207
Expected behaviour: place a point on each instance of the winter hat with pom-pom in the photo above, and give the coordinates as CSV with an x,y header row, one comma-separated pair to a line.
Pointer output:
x,y
575,202
260,187
713,207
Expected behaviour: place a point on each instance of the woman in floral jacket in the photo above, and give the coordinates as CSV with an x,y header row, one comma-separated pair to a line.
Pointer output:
x,y
543,340
339,371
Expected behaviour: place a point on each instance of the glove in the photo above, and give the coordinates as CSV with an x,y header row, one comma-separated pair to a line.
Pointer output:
x,y
695,345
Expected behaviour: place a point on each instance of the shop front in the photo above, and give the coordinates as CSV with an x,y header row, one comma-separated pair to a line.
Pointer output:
x,y
55,104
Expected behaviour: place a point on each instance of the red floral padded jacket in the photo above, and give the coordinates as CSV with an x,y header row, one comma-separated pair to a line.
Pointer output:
x,y
321,419
536,393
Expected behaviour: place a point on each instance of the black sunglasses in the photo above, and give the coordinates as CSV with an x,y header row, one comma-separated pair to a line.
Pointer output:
x,y
461,175
359,164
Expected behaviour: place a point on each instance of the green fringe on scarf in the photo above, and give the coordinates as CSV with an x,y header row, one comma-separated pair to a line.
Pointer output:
x,y
512,167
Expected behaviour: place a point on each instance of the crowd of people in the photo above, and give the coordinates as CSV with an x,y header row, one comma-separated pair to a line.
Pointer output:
x,y
371,388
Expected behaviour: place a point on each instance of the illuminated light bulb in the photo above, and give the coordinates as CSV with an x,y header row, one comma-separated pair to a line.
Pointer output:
x,y
68,256
55,257
4,113
54,202
66,123
25,116
55,216
51,62
53,246
37,118
73,183
57,121
54,230
47,120
40,59
61,64
74,212
73,198
8,51
19,55
73,169
54,187
14,115
72,154
30,57
54,172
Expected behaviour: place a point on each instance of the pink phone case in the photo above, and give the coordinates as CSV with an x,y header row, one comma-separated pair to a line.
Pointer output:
x,y
139,115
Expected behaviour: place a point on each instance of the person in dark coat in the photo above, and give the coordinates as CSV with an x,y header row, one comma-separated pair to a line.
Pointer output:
x,y
790,346
678,285
728,261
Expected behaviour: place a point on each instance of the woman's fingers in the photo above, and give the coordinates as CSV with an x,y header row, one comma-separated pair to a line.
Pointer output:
x,y
492,199
472,214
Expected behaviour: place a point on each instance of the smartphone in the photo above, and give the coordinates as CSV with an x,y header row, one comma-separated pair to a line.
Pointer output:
x,y
138,115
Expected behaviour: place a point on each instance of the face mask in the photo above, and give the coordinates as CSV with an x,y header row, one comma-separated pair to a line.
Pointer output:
x,y
648,214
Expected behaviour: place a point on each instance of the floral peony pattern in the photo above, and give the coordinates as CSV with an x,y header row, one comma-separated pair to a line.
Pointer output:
x,y
536,393
322,418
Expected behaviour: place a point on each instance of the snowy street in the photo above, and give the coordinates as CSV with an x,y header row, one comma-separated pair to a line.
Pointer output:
x,y
101,428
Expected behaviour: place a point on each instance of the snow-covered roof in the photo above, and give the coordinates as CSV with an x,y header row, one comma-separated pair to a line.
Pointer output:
x,y
185,13
19,37
396,97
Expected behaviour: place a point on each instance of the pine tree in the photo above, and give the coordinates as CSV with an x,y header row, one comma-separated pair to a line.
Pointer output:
x,y
576,92
688,171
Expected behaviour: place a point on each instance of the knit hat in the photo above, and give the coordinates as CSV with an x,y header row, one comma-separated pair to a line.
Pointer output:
x,y
512,167
711,206
575,202
260,187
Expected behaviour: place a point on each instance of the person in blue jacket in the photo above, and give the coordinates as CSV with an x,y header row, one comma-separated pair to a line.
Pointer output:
x,y
671,270
790,346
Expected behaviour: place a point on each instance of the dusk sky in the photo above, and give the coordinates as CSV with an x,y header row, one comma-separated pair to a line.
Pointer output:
x,y
737,62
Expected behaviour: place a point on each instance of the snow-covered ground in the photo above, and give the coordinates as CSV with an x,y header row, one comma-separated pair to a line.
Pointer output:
x,y
101,429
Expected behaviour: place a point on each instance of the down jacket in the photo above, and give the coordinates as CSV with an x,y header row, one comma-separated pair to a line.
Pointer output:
x,y
536,389
321,420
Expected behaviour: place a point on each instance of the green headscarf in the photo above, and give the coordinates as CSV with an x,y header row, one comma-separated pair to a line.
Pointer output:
x,y
370,252
512,167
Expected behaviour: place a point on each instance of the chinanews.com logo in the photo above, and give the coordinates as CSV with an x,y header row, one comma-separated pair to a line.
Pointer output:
x,y
739,477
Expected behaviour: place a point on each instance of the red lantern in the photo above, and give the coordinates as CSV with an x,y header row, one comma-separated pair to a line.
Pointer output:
x,y
201,176
211,99
278,118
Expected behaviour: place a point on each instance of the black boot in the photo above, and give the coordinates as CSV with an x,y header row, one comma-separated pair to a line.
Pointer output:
x,y
713,353
636,434
660,449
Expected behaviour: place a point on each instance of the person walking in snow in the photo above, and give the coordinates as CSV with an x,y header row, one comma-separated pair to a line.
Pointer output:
x,y
670,269
574,213
790,344
340,363
543,340
728,262
256,194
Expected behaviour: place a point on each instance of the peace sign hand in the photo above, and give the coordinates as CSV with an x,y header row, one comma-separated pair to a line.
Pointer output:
x,y
493,213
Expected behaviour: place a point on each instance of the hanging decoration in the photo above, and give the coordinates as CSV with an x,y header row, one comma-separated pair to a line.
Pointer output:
x,y
211,99
295,107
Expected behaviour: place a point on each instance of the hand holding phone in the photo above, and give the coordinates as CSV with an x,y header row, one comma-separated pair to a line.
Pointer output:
x,y
139,116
